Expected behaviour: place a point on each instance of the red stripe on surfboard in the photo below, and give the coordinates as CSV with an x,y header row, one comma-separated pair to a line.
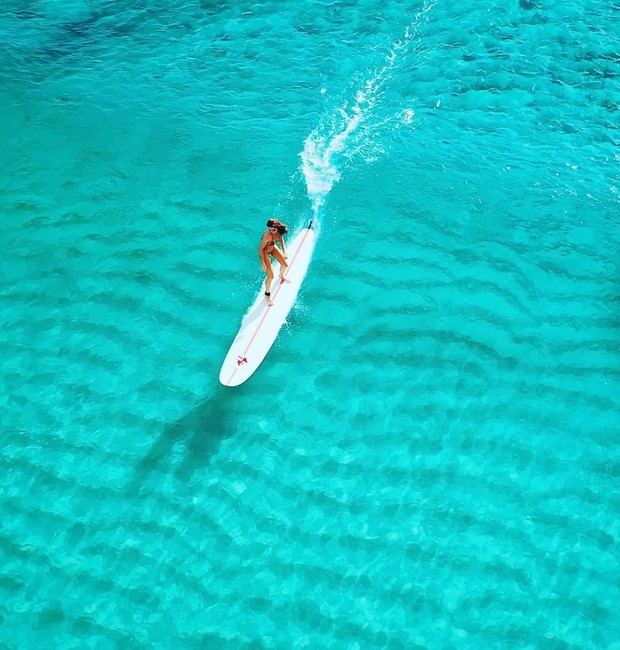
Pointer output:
x,y
262,320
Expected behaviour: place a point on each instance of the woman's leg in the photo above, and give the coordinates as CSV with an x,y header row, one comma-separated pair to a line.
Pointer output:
x,y
268,280
283,263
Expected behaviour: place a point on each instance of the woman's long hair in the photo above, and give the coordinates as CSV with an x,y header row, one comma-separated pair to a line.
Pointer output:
x,y
274,223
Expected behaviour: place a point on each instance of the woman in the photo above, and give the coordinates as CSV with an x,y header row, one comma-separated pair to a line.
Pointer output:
x,y
268,249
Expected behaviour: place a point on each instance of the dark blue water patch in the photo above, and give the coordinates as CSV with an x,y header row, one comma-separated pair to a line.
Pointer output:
x,y
51,37
82,28
211,8
26,14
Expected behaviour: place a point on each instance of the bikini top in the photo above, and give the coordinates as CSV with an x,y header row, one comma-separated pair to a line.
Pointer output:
x,y
272,242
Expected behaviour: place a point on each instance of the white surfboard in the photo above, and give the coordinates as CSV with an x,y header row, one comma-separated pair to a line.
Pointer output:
x,y
261,324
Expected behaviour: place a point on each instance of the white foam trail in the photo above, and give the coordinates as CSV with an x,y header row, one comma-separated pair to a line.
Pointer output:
x,y
318,165
351,128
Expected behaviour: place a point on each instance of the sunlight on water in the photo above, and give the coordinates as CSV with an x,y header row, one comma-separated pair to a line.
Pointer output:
x,y
428,456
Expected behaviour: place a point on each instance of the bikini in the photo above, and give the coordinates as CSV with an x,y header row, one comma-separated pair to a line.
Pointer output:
x,y
267,248
269,245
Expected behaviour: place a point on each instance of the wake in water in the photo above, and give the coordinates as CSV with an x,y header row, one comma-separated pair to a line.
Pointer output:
x,y
351,129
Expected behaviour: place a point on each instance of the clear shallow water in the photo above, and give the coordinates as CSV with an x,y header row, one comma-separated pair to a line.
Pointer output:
x,y
429,456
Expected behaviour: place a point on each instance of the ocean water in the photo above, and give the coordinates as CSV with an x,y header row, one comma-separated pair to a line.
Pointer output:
x,y
429,457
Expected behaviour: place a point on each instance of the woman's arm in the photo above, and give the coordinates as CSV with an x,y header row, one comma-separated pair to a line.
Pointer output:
x,y
261,246
283,245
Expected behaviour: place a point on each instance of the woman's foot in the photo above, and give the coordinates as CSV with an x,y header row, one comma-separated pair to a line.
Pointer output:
x,y
283,279
269,300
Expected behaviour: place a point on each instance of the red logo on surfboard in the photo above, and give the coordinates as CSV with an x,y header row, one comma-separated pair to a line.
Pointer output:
x,y
241,360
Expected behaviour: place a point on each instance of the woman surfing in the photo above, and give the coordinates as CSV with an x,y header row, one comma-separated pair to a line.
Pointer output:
x,y
268,248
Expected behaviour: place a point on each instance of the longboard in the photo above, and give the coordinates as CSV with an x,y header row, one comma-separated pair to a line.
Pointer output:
x,y
261,324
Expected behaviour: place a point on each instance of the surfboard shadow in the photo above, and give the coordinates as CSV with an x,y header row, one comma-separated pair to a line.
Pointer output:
x,y
199,433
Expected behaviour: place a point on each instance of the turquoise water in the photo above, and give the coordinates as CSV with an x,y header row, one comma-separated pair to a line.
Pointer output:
x,y
429,457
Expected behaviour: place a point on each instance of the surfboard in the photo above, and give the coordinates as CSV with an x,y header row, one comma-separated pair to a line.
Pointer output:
x,y
261,324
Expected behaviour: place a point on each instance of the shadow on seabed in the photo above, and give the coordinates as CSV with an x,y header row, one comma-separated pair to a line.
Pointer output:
x,y
199,433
